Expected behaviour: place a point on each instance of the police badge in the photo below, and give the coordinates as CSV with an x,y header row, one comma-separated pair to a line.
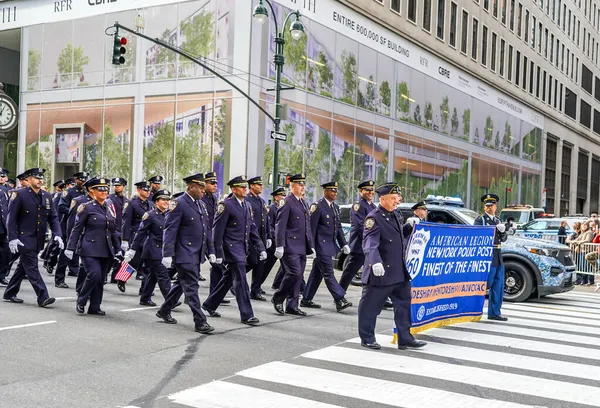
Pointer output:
x,y
313,208
125,206
220,208
172,205
13,195
356,207
281,203
47,203
80,208
146,216
369,222
65,193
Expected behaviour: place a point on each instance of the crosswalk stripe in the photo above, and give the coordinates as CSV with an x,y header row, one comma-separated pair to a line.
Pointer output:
x,y
576,294
556,326
540,387
536,317
500,359
553,309
571,303
223,394
559,306
540,334
514,343
367,388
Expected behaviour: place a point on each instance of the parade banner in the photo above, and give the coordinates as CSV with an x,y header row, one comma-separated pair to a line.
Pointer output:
x,y
449,266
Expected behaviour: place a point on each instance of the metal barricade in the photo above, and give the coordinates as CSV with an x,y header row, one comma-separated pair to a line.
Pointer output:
x,y
587,263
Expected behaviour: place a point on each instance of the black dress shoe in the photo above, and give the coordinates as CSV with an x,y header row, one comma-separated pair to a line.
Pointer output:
x,y
388,304
342,304
225,301
97,312
211,313
258,297
47,302
201,278
3,282
295,312
278,307
204,328
80,309
166,317
372,346
13,299
310,304
121,286
49,269
262,292
253,321
148,303
412,344
61,285
500,318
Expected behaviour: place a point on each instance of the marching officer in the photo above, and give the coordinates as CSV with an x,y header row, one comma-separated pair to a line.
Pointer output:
x,y
51,252
326,229
155,183
384,273
5,254
64,206
495,280
420,214
235,235
59,277
118,200
358,213
23,183
277,195
186,241
11,183
149,241
210,200
133,211
4,179
95,238
294,241
29,212
260,213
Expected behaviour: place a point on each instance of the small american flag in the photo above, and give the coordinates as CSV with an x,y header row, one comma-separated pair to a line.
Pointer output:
x,y
125,272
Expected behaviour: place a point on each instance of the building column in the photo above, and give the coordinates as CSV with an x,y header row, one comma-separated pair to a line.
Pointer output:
x,y
574,176
558,179
543,148
22,129
588,188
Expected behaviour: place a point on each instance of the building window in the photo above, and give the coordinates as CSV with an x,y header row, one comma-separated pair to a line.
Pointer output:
x,y
531,76
550,90
546,43
486,5
484,42
519,22
493,56
597,89
412,11
555,93
526,29
569,25
533,32
524,76
557,52
564,24
554,10
596,124
441,16
453,10
544,79
585,114
568,54
562,59
588,45
578,30
503,14
511,16
501,61
538,79
464,32
509,65
395,6
558,18
495,8
551,48
570,103
427,15
517,65
540,38
560,99
474,39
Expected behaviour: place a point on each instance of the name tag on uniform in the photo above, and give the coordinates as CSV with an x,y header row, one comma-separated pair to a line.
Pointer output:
x,y
47,203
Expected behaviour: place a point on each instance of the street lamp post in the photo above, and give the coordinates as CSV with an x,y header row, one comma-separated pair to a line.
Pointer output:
x,y
261,14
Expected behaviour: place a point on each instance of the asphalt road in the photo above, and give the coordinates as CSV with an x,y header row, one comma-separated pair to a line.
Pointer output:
x,y
546,355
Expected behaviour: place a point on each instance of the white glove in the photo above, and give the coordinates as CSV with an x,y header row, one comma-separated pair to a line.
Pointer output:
x,y
268,243
346,249
14,245
501,228
262,256
212,258
219,261
124,246
167,262
378,269
61,244
69,253
412,221
278,252
129,255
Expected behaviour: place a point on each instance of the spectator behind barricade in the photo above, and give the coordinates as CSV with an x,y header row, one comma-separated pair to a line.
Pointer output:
x,y
579,247
594,217
562,232
575,234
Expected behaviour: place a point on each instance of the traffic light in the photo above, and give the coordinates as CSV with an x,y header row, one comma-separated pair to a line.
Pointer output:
x,y
119,50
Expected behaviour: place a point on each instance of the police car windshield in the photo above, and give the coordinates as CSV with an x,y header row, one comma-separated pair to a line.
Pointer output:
x,y
468,216
520,217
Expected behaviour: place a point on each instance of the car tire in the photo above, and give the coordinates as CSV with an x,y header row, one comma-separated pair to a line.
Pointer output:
x,y
357,279
518,282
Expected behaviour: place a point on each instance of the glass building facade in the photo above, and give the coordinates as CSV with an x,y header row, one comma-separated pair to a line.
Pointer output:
x,y
355,112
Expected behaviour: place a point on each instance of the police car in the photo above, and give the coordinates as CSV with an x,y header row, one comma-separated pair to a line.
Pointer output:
x,y
521,214
532,267
547,228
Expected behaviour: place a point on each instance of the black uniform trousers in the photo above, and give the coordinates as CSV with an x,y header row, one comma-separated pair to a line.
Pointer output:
x,y
12,258
187,284
322,268
371,304
269,263
216,274
353,265
61,269
294,265
93,286
137,263
279,277
27,267
257,276
5,257
234,276
157,273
